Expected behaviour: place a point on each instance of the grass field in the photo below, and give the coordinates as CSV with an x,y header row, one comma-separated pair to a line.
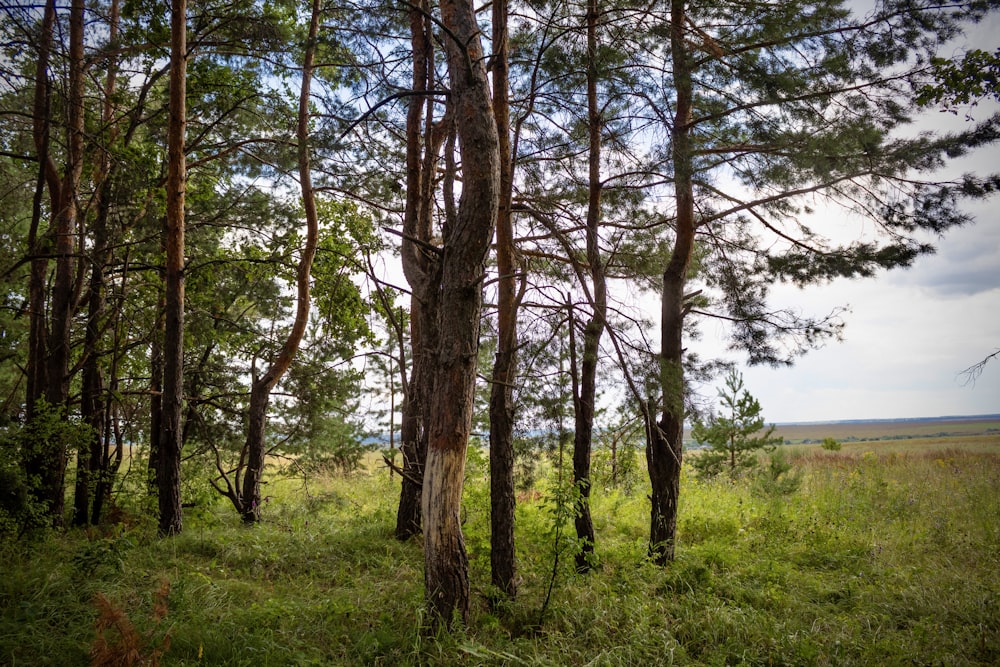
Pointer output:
x,y
887,554
891,430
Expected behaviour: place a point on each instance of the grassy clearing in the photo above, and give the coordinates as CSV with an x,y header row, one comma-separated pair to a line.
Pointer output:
x,y
887,556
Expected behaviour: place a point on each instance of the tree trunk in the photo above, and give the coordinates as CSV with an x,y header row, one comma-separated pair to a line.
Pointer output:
x,y
49,350
421,268
37,463
260,393
88,462
61,303
91,457
156,387
466,244
169,453
502,562
586,397
664,449
109,465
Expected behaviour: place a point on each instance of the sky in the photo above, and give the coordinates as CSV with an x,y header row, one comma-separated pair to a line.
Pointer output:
x,y
910,333
909,336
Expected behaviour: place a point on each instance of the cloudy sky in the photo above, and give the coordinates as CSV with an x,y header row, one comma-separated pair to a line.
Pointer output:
x,y
910,333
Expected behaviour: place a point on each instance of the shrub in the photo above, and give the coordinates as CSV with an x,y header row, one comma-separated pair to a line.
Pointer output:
x,y
830,444
777,479
622,472
48,432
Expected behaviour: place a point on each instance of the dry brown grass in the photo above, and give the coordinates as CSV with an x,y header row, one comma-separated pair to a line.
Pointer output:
x,y
892,429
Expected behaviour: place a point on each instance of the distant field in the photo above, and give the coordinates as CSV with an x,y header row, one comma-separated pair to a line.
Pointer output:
x,y
892,430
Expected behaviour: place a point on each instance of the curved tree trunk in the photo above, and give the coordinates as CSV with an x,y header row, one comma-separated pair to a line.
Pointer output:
x,y
260,392
664,446
586,397
466,244
421,266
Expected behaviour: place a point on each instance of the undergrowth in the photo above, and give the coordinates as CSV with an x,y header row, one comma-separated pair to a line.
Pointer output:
x,y
890,559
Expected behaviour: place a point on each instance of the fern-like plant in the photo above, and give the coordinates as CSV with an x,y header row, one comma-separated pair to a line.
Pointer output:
x,y
119,643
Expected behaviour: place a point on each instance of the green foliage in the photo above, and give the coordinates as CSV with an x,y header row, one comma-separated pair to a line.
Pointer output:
x,y
831,444
622,471
107,553
46,436
778,478
17,508
733,438
334,446
962,81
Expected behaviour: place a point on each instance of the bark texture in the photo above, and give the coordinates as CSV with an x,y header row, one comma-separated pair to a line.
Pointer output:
x,y
421,266
49,336
586,392
466,243
664,442
171,439
37,463
502,562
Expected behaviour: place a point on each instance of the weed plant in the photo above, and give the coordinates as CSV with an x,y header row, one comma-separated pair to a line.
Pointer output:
x,y
876,558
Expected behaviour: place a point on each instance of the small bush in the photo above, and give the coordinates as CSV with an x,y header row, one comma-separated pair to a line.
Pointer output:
x,y
622,472
831,445
777,479
734,438
21,507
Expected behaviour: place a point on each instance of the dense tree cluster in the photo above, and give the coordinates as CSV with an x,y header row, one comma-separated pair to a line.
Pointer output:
x,y
194,206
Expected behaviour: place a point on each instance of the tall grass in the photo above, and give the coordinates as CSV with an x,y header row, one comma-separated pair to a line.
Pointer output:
x,y
879,558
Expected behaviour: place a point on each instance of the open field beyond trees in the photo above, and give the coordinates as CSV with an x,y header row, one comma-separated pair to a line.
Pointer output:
x,y
887,554
903,429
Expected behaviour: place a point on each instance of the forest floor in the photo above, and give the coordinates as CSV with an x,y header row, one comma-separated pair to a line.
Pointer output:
x,y
888,552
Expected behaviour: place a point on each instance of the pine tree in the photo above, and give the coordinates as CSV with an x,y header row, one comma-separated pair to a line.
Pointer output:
x,y
776,107
736,436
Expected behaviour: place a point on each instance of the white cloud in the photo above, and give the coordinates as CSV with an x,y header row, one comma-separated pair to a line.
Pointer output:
x,y
906,343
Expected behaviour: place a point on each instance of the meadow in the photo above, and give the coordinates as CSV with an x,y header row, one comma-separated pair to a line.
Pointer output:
x,y
887,553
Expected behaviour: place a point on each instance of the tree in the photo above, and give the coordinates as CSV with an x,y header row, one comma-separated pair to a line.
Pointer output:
x,y
237,139
734,437
260,391
793,103
48,365
93,464
502,417
171,436
421,264
466,242
581,119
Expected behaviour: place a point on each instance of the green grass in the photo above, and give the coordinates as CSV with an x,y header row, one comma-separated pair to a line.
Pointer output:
x,y
881,557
